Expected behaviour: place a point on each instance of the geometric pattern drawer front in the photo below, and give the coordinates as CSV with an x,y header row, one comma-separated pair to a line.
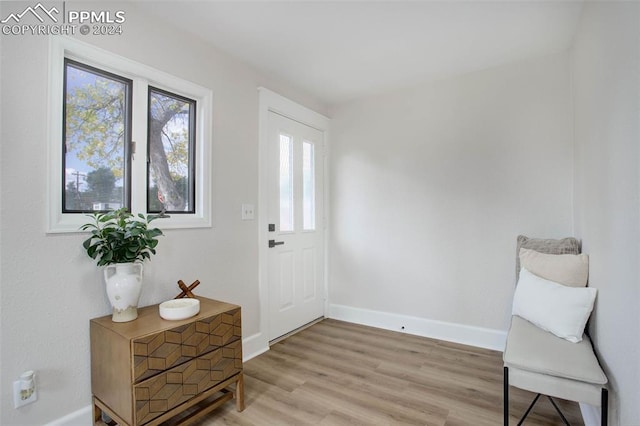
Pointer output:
x,y
155,396
158,352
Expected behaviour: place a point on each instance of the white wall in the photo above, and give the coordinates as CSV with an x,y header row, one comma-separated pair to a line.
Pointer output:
x,y
430,187
606,83
49,288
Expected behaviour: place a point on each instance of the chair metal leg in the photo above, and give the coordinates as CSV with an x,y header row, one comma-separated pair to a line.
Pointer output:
x,y
529,409
604,407
505,399
564,420
604,399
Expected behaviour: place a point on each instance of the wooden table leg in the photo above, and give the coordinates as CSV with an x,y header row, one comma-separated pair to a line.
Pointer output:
x,y
240,392
99,408
97,412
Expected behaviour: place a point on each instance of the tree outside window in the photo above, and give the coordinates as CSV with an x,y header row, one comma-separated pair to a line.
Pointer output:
x,y
97,136
97,144
171,134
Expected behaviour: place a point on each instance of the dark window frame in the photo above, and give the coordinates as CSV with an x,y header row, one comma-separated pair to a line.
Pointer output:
x,y
127,133
192,150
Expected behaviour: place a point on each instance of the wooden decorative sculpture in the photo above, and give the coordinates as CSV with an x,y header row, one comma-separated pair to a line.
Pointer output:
x,y
186,291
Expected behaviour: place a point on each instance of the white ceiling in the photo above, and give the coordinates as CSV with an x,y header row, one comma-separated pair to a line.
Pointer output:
x,y
341,50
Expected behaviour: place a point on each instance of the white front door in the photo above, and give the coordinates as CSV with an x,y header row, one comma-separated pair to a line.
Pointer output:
x,y
295,216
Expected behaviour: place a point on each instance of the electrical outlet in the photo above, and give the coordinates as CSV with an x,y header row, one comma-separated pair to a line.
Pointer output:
x,y
24,390
247,212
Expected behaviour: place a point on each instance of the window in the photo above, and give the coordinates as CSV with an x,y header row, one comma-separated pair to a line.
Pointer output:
x,y
308,187
129,136
170,164
286,183
96,141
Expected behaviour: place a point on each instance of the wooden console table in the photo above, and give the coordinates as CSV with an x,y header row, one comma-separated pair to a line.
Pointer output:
x,y
151,370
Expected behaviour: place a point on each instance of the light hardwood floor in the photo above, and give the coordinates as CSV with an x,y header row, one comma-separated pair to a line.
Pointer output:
x,y
337,373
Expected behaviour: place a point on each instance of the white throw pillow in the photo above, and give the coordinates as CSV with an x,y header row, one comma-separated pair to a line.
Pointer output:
x,y
553,307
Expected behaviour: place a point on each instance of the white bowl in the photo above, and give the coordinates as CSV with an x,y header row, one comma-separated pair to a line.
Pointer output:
x,y
178,309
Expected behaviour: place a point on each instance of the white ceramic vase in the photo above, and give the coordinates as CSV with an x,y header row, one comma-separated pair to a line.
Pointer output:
x,y
124,284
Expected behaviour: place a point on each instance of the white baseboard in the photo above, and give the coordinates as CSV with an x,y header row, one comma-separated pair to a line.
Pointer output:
x,y
81,417
253,346
590,414
468,335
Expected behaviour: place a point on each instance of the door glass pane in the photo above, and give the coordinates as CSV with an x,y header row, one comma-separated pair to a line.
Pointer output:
x,y
308,187
97,108
171,133
286,183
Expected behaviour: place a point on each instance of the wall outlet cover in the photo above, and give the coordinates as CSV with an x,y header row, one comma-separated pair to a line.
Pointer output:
x,y
17,397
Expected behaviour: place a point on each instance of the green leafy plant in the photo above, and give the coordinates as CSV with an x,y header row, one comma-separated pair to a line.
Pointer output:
x,y
118,236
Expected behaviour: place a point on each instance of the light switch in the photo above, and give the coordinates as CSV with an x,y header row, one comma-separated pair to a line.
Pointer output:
x,y
247,212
